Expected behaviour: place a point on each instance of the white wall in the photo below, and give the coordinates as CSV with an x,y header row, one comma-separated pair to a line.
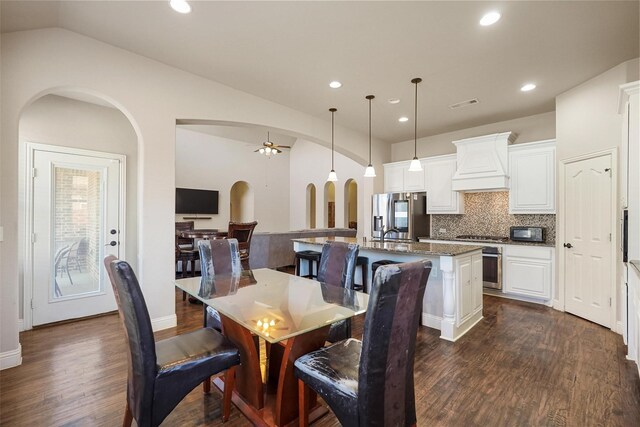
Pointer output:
x,y
588,121
305,153
66,122
152,96
213,163
529,129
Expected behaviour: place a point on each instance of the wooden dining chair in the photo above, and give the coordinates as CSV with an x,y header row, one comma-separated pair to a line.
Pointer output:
x,y
338,268
242,231
370,382
162,372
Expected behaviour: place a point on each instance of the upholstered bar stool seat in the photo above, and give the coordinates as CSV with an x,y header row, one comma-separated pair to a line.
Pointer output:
x,y
310,257
363,263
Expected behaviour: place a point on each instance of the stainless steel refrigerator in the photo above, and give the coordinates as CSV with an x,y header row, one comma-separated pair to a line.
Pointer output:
x,y
407,212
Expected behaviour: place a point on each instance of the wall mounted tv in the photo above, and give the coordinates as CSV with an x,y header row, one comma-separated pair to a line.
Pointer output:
x,y
192,201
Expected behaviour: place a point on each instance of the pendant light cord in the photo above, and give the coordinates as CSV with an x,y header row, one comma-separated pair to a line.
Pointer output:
x,y
332,112
370,131
415,124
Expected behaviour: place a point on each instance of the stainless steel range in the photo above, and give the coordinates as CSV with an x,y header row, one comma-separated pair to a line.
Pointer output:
x,y
491,259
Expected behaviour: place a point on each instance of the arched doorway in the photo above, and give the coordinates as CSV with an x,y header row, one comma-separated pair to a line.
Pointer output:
x,y
81,203
241,201
351,203
311,206
330,205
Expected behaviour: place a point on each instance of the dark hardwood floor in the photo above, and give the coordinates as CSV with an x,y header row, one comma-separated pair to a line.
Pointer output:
x,y
523,365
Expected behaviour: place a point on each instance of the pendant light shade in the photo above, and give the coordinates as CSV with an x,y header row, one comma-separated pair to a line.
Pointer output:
x,y
332,175
415,165
369,172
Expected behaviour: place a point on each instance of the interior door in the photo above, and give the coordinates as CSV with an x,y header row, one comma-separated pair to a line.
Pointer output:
x,y
75,225
587,239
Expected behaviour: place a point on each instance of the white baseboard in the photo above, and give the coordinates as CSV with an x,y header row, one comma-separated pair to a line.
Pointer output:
x,y
431,321
557,306
20,325
166,322
619,328
11,358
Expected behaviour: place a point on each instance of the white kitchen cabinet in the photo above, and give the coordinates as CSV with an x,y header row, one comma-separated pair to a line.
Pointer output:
x,y
469,273
394,177
398,178
532,169
528,271
441,199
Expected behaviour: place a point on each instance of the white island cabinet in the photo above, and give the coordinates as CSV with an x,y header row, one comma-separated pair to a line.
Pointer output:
x,y
453,298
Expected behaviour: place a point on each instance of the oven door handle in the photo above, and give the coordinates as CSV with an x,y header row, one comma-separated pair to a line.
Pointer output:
x,y
492,255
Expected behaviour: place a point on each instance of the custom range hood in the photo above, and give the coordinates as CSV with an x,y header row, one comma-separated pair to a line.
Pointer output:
x,y
482,163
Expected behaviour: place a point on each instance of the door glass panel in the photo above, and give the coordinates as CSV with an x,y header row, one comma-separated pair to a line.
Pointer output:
x,y
78,217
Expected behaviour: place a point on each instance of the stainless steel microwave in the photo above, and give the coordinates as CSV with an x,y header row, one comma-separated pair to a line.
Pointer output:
x,y
527,234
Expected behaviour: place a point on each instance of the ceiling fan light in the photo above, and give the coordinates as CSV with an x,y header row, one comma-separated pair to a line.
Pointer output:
x,y
261,151
333,177
268,149
415,165
369,172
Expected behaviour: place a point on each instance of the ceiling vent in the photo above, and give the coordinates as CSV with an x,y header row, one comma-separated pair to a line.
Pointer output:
x,y
466,103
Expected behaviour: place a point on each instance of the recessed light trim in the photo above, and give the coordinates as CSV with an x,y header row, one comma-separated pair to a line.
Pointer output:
x,y
490,18
403,119
180,6
394,101
335,84
528,87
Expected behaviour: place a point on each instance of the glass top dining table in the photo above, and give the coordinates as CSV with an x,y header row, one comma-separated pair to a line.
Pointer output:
x,y
275,305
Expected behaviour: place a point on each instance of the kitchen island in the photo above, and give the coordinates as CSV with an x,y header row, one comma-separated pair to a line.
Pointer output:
x,y
453,298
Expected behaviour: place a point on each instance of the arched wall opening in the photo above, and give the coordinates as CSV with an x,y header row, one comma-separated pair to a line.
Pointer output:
x,y
311,206
351,203
241,200
330,205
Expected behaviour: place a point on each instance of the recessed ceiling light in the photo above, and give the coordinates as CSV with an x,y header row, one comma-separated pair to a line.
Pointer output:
x,y
335,84
403,119
528,87
490,18
180,6
394,101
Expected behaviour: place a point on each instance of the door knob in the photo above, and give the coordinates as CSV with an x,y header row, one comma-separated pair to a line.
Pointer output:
x,y
112,243
568,245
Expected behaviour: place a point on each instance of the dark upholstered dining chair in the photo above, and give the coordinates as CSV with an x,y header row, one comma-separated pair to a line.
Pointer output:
x,y
161,373
370,382
338,268
242,231
220,256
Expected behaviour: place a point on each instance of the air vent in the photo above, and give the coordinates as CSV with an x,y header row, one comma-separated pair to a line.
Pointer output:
x,y
464,103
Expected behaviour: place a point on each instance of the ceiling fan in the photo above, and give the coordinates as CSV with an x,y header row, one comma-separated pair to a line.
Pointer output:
x,y
269,148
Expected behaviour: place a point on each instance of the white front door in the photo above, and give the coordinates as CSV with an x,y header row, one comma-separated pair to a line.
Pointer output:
x,y
588,239
76,223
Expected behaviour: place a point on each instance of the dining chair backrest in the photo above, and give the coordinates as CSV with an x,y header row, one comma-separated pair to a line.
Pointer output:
x,y
242,232
219,256
338,263
385,386
139,335
184,226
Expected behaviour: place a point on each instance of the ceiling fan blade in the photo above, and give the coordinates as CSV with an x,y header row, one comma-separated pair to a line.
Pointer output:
x,y
283,146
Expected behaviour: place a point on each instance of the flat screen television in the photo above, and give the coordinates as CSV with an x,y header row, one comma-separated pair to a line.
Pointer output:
x,y
192,201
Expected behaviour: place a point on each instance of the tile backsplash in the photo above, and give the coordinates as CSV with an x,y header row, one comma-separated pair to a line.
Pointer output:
x,y
488,214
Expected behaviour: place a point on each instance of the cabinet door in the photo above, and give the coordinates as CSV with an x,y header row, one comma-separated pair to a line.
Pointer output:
x,y
532,172
441,199
393,178
413,181
464,277
528,277
476,282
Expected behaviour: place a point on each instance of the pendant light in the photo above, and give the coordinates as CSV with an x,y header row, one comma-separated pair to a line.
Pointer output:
x,y
332,174
415,165
369,172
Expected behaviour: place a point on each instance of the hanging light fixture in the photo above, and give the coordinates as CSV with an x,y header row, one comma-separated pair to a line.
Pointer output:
x,y
369,172
332,174
415,165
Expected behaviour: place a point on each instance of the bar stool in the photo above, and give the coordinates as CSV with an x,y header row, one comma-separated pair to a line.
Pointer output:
x,y
382,262
310,257
363,263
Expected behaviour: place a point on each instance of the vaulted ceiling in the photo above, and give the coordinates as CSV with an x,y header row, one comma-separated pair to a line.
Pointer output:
x,y
288,52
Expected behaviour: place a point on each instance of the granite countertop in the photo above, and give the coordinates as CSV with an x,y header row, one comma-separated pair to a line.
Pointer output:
x,y
412,248
506,242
